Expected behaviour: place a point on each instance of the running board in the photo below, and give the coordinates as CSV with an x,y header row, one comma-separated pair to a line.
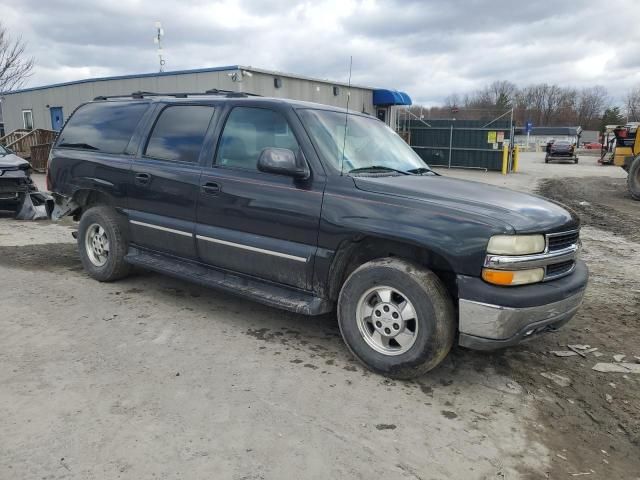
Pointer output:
x,y
262,292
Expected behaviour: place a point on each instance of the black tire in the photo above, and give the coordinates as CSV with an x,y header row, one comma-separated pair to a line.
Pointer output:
x,y
115,230
546,159
633,179
575,160
435,316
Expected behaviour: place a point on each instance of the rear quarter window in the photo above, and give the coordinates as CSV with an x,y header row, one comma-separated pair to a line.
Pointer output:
x,y
104,127
179,133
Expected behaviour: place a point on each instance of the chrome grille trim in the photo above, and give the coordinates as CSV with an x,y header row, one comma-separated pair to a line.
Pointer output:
x,y
550,236
523,262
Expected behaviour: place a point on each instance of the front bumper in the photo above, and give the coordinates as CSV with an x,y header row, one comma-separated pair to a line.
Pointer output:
x,y
495,317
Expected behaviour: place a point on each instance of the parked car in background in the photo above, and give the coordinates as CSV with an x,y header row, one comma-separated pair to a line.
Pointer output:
x,y
593,146
311,208
561,150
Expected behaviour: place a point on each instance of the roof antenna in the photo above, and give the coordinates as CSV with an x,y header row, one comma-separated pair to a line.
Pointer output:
x,y
346,118
157,39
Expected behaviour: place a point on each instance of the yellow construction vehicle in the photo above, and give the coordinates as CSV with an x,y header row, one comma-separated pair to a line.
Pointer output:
x,y
626,154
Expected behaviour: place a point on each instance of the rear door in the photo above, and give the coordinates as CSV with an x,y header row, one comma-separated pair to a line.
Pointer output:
x,y
165,180
256,223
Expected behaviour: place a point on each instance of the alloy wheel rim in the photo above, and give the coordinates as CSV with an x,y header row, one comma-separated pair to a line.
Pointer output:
x,y
387,320
97,245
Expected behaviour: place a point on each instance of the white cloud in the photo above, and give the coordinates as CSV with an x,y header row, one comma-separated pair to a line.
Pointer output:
x,y
427,48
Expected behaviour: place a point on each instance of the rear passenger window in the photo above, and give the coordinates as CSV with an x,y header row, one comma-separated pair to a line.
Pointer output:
x,y
179,133
250,130
104,127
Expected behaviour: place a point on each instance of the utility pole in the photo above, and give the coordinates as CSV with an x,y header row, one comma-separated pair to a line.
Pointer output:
x,y
158,41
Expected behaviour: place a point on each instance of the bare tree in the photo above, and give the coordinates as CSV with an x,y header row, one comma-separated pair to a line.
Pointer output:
x,y
591,103
15,65
633,105
544,104
502,94
452,100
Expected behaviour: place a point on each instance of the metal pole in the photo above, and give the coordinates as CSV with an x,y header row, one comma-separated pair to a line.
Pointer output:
x,y
450,143
419,119
497,118
512,140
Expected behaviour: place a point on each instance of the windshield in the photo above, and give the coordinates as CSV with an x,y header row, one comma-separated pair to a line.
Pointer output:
x,y
3,151
368,145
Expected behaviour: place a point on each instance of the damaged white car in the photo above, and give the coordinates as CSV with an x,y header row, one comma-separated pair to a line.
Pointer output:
x,y
18,193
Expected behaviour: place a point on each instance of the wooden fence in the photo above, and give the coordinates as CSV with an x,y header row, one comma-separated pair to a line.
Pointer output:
x,y
22,141
40,156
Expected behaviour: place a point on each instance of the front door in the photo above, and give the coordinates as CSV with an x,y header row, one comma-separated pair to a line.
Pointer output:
x,y
165,179
256,223
57,120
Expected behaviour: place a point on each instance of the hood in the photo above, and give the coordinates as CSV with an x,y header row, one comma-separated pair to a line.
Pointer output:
x,y
12,162
522,211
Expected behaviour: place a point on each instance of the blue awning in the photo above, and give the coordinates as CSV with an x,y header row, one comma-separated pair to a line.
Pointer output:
x,y
390,97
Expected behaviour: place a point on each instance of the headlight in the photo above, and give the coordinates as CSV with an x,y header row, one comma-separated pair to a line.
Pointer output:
x,y
516,244
512,277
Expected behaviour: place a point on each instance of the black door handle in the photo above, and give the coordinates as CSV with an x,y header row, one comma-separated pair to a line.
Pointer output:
x,y
210,188
143,178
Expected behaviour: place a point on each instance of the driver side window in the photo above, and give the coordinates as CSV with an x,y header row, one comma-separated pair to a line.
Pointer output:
x,y
247,132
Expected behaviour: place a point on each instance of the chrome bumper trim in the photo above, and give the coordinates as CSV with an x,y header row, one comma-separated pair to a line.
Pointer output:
x,y
495,322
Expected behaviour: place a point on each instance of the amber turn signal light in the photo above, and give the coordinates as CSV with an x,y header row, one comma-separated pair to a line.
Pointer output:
x,y
512,277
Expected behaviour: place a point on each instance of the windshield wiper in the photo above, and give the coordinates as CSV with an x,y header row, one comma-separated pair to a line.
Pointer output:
x,y
422,171
85,146
377,168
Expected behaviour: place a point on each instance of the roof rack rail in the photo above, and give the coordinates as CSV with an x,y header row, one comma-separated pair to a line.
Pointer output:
x,y
213,91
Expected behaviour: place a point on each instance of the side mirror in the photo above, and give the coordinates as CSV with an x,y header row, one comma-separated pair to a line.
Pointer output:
x,y
283,161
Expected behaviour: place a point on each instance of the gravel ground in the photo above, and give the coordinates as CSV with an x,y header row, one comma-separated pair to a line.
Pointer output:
x,y
151,377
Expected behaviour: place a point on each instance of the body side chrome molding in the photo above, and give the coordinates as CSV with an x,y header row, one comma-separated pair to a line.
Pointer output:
x,y
164,229
251,249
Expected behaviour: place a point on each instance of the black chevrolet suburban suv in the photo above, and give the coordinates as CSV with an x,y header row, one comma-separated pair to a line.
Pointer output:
x,y
311,208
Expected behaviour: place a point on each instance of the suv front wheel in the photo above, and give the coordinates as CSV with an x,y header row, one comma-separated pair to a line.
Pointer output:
x,y
396,317
102,244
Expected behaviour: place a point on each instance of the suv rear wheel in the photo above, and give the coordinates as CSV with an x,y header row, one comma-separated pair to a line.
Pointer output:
x,y
396,317
102,244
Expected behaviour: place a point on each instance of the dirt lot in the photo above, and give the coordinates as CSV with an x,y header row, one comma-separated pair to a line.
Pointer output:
x,y
154,378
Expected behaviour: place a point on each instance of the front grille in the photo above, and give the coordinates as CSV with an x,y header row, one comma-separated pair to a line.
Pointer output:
x,y
559,268
10,185
561,241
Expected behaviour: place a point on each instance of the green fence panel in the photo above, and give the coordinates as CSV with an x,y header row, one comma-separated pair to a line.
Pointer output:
x,y
459,143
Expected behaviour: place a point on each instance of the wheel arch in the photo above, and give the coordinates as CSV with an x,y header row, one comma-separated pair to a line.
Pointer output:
x,y
356,251
86,198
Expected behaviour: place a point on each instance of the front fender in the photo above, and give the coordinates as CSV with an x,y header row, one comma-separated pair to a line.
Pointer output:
x,y
458,237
